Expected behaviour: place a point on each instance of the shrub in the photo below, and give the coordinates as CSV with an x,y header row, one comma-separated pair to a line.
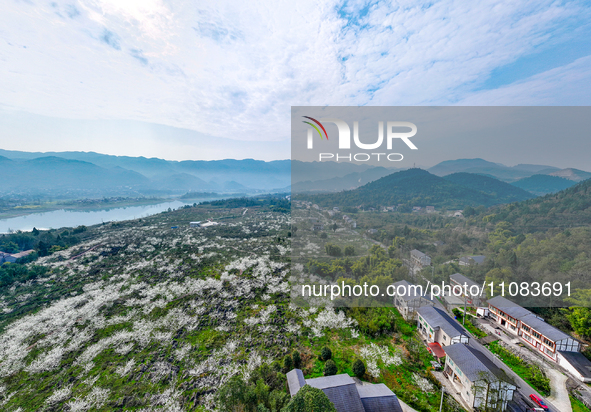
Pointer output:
x,y
330,368
297,360
325,353
310,399
359,368
287,363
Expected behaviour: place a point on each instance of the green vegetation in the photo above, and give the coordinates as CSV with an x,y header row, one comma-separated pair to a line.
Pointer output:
x,y
278,203
543,184
469,324
530,373
359,368
330,368
417,187
566,209
264,389
577,405
502,192
310,399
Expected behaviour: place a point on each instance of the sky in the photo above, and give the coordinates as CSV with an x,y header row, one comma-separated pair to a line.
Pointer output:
x,y
210,80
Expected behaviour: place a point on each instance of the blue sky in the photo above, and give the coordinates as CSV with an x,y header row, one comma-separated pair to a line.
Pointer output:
x,y
230,71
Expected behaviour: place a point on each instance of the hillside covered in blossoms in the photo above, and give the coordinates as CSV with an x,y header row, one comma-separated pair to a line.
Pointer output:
x,y
152,314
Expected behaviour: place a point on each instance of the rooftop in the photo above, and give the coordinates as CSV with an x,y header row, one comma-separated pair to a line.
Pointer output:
x,y
544,328
473,363
437,318
346,394
510,308
410,293
461,279
579,362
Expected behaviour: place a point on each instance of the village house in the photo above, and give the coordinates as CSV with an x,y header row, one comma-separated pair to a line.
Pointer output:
x,y
6,258
438,327
410,300
346,394
468,286
13,257
479,381
419,258
471,260
540,336
430,209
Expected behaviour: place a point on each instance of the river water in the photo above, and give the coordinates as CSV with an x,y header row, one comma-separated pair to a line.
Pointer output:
x,y
71,218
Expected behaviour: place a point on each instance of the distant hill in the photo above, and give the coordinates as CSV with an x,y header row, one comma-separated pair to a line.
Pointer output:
x,y
413,187
575,175
255,174
56,174
568,208
337,184
317,171
543,184
535,168
505,173
501,191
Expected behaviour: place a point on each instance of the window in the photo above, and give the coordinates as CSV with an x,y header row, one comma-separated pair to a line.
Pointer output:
x,y
525,328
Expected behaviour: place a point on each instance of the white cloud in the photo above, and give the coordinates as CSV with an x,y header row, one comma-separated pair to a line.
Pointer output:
x,y
568,85
233,69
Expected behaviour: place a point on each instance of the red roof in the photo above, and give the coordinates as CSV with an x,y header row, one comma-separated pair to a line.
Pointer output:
x,y
437,350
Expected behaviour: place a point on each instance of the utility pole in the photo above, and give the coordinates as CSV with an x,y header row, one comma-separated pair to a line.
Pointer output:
x,y
441,403
464,318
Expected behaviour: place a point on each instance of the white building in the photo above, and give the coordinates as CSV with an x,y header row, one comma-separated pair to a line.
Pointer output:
x,y
479,381
437,326
412,297
539,335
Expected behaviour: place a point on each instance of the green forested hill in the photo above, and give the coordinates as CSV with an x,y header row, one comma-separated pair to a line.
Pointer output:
x,y
501,191
568,208
413,187
543,184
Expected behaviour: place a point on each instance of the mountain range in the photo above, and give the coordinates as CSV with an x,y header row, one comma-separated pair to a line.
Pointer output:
x,y
418,187
317,177
74,174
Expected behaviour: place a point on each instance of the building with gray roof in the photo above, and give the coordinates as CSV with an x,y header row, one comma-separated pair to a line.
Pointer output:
x,y
539,335
478,380
408,298
437,326
347,395
507,313
576,363
420,259
471,290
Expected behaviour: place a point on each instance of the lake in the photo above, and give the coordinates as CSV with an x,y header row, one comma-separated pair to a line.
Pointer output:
x,y
71,218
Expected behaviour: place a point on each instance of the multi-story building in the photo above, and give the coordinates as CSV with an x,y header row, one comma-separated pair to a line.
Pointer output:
x,y
411,298
468,286
479,381
539,335
419,258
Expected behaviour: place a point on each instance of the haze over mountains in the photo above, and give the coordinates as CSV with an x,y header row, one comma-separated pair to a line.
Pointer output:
x,y
418,187
87,174
535,179
91,174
